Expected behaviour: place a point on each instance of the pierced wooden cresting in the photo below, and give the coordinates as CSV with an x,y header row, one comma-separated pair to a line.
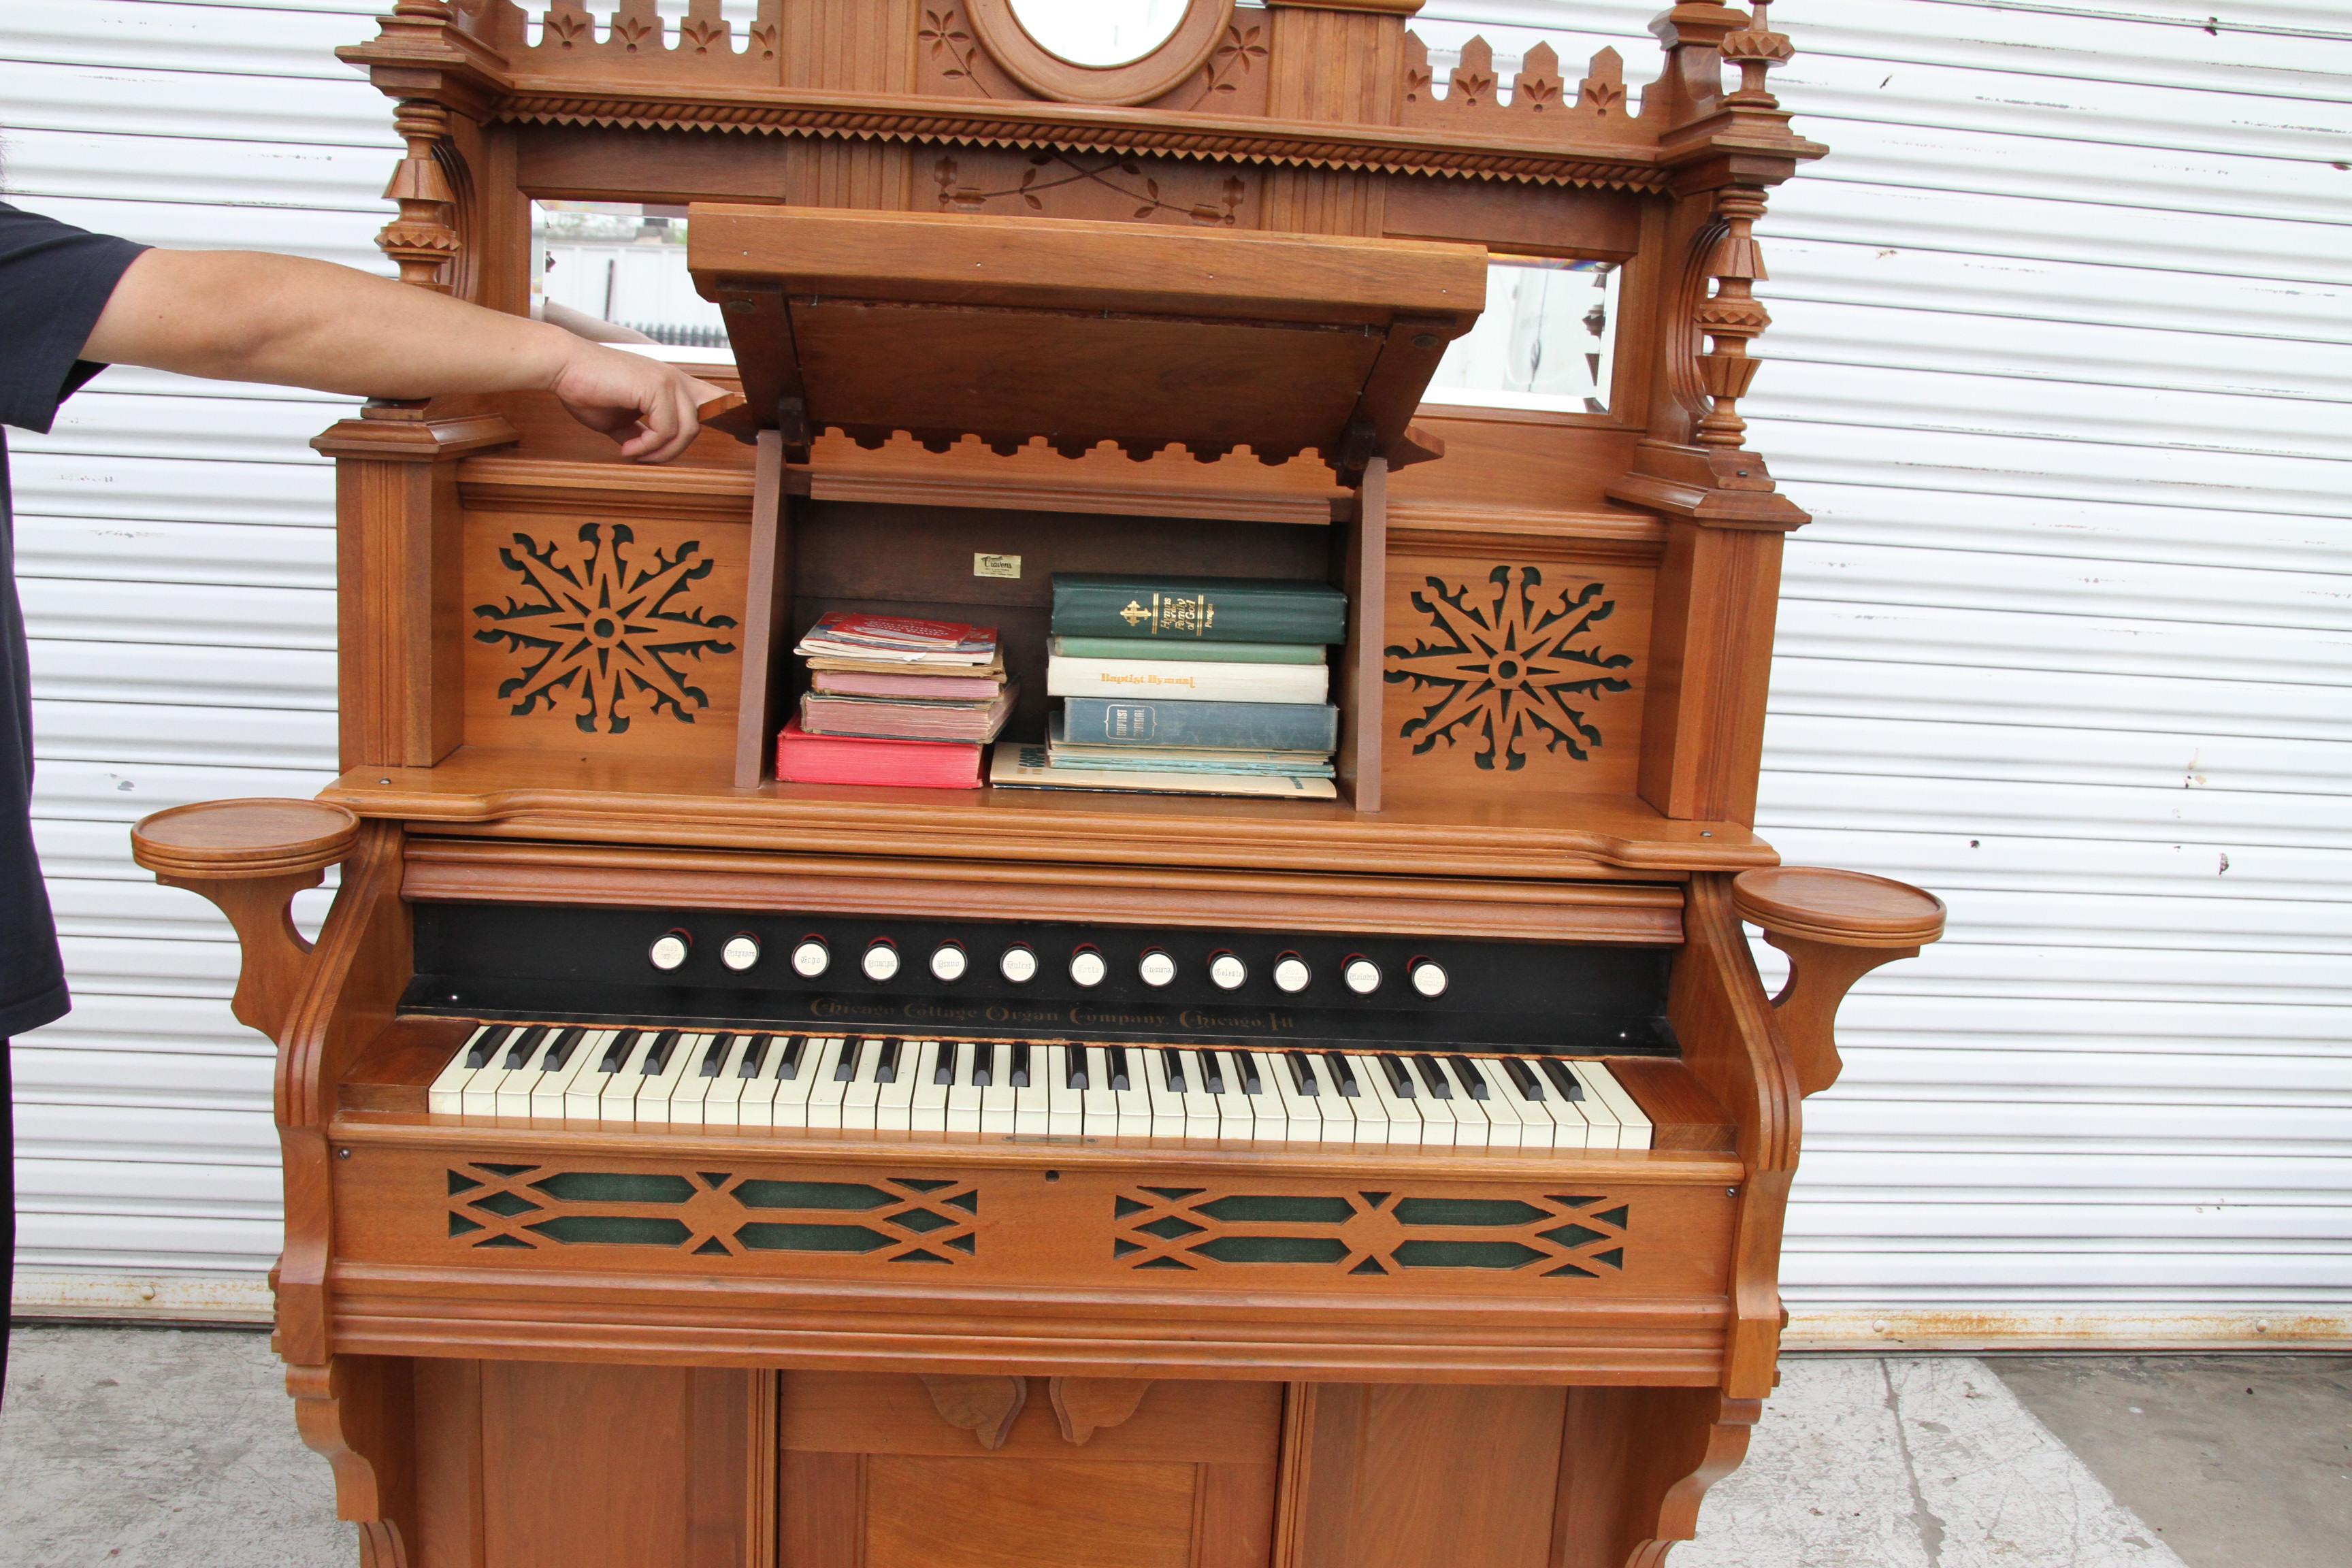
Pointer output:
x,y
1514,1303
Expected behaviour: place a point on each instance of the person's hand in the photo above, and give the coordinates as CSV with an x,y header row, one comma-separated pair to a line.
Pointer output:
x,y
644,404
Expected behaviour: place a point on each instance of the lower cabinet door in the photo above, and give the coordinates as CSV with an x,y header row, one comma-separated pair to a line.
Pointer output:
x,y
890,1471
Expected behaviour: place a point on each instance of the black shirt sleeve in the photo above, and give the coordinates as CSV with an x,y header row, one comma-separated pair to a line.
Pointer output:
x,y
55,281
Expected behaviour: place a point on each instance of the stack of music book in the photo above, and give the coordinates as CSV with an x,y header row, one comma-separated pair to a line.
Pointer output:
x,y
1188,686
892,700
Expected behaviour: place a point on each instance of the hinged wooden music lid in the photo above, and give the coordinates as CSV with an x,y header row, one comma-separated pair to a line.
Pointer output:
x,y
1079,334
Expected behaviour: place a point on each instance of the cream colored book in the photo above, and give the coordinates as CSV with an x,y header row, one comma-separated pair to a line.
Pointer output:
x,y
1022,765
1187,680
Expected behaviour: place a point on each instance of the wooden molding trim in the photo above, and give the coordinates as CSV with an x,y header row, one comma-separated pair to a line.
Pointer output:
x,y
1835,927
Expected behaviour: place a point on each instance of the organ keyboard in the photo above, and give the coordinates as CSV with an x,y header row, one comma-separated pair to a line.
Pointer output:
x,y
650,1077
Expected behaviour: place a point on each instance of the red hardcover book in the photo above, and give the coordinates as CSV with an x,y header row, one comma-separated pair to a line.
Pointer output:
x,y
803,758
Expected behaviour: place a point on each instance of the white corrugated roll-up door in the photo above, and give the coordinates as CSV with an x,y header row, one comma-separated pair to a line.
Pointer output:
x,y
2061,361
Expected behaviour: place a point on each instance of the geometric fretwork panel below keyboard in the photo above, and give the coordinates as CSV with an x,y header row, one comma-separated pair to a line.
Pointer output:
x,y
713,1213
1371,1233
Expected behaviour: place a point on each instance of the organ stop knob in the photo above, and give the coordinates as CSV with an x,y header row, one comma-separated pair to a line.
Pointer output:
x,y
881,962
1156,968
1086,967
1429,977
1019,965
948,961
1228,971
741,952
1362,975
1291,974
811,958
669,949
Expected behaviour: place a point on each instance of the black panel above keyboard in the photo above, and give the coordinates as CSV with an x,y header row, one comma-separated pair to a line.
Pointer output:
x,y
579,964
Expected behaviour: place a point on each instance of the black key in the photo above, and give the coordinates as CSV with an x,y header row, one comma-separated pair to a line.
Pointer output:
x,y
755,1056
788,1061
1466,1073
945,1072
1174,1062
1302,1074
715,1058
845,1069
1562,1078
1020,1073
1434,1078
1344,1071
1213,1070
1118,1075
479,1053
886,1065
1399,1076
1251,1082
522,1048
1073,1068
983,1066
561,1052
616,1054
1529,1086
657,1059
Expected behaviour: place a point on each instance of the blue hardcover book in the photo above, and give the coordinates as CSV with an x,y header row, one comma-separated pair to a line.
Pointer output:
x,y
1216,726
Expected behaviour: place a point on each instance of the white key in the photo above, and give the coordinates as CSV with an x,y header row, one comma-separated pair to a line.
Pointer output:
x,y
1505,1127
1304,1095
1576,1101
722,1106
687,1101
1538,1097
963,1094
998,1097
1202,1118
864,1092
1167,1100
803,1056
1066,1107
1134,1101
582,1096
514,1054
1097,1105
755,1103
1400,1118
1474,1126
1269,1108
547,1096
655,1090
836,1065
515,1090
894,1104
616,1100
1033,1102
447,1095
1633,1129
934,1075
1443,1110
1224,1070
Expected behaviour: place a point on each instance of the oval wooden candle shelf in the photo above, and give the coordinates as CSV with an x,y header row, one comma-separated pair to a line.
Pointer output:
x,y
1851,909
243,838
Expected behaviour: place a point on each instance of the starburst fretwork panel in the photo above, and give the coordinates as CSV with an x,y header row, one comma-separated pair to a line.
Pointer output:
x,y
1371,1233
1525,670
713,1213
606,628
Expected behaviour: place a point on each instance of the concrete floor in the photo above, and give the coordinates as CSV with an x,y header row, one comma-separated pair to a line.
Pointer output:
x,y
171,1449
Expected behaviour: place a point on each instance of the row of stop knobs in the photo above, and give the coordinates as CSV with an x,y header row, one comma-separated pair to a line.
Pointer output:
x,y
813,957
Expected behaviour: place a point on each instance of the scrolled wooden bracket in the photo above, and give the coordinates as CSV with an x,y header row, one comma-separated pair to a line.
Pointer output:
x,y
1835,927
250,857
984,1406
354,1411
1086,1406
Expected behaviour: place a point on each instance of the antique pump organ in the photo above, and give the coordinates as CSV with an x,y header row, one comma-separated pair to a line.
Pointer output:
x,y
684,1167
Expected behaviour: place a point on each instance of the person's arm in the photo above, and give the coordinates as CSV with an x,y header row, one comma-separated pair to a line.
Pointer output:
x,y
248,316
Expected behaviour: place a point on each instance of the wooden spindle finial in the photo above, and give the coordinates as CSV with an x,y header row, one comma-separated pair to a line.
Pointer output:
x,y
1756,49
1732,318
422,239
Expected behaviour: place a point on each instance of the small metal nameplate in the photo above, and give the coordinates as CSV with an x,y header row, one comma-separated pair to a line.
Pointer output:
x,y
986,565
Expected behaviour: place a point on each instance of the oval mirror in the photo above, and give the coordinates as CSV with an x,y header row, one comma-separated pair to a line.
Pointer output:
x,y
1100,34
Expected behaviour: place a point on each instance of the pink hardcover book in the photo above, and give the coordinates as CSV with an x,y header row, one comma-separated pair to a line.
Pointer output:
x,y
803,758
940,687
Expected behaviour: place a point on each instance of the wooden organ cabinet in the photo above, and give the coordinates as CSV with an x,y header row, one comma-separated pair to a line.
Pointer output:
x,y
1172,315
